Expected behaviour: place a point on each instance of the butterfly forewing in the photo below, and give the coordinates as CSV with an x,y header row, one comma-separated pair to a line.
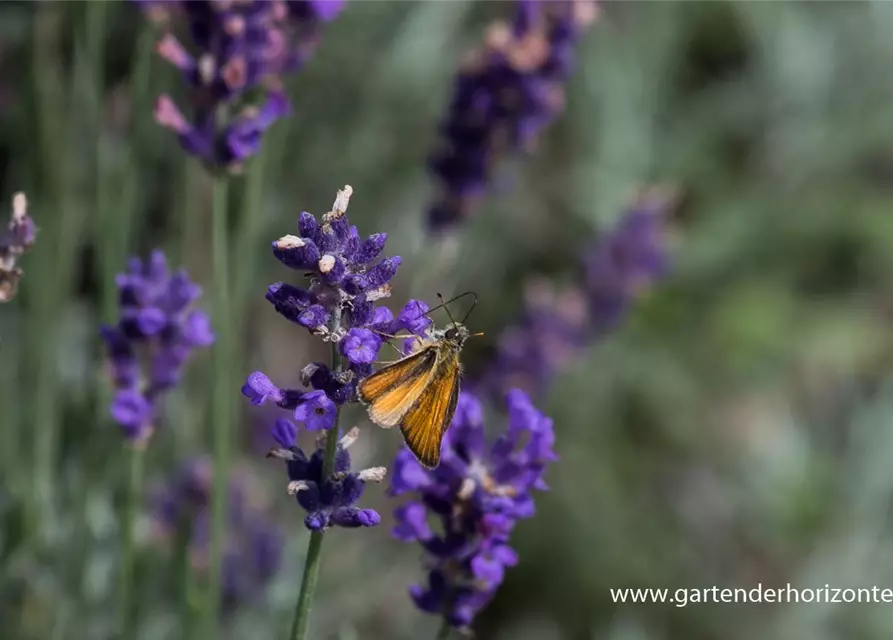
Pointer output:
x,y
426,422
391,391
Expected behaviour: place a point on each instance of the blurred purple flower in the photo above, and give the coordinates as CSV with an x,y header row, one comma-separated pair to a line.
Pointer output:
x,y
152,341
557,324
16,239
254,542
553,327
624,264
239,48
506,93
329,500
477,494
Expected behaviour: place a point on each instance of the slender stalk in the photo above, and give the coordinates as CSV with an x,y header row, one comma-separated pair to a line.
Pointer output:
x,y
108,224
222,394
248,235
445,630
314,549
140,82
134,492
189,599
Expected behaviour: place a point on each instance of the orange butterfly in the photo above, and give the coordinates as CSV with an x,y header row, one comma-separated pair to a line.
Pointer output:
x,y
419,392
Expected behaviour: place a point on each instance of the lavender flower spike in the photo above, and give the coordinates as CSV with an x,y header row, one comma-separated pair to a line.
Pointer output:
x,y
18,237
345,277
505,95
328,500
241,51
152,341
477,493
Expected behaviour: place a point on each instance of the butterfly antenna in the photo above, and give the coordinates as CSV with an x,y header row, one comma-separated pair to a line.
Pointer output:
x,y
446,308
452,300
474,301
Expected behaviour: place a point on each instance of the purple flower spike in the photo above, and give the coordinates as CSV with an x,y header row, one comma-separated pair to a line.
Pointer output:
x,y
18,237
149,347
478,493
317,411
242,51
328,501
346,275
504,96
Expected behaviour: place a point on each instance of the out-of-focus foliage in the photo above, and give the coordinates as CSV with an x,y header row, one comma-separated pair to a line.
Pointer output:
x,y
735,430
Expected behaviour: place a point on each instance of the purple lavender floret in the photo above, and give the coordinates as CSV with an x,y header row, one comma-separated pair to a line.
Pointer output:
x,y
328,500
18,237
154,337
478,493
347,276
241,51
254,542
556,324
506,93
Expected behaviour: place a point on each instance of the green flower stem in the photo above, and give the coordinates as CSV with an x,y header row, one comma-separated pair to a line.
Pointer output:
x,y
248,234
189,597
134,493
445,630
222,397
140,81
314,549
109,225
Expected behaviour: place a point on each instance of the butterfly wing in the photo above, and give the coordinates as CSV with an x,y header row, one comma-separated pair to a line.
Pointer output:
x,y
391,391
426,422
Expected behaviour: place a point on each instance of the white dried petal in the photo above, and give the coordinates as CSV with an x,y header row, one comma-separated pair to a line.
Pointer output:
x,y
349,438
19,207
326,263
290,242
467,489
207,67
297,485
342,199
373,474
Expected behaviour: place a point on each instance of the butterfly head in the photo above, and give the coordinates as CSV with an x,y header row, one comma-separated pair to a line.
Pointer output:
x,y
457,333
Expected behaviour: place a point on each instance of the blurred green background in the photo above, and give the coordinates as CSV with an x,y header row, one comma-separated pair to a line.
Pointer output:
x,y
734,430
